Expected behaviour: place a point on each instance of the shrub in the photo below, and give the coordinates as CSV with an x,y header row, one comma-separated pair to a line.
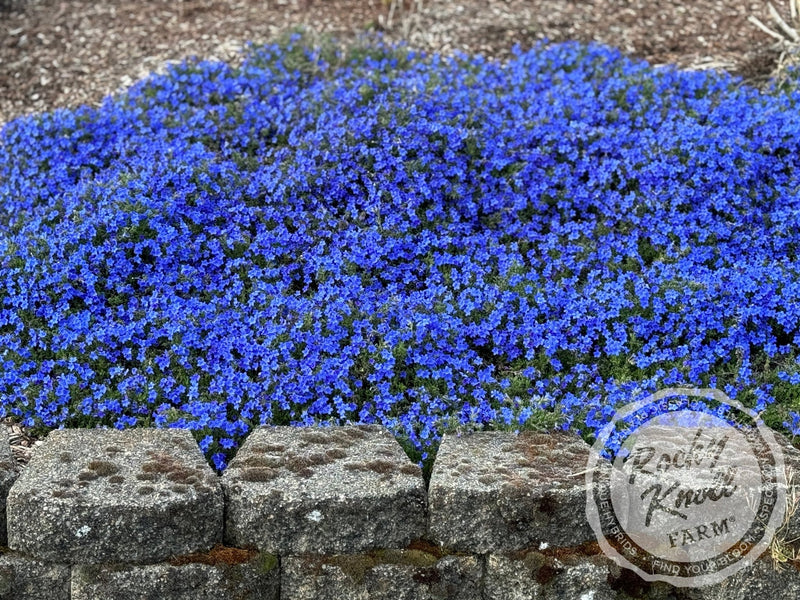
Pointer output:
x,y
386,237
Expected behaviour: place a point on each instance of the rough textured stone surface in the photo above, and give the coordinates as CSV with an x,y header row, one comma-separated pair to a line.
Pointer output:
x,y
791,461
249,576
8,475
580,573
331,490
761,581
382,575
91,496
23,578
508,579
497,491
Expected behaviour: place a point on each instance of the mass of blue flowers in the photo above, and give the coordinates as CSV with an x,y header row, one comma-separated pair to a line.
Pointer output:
x,y
379,236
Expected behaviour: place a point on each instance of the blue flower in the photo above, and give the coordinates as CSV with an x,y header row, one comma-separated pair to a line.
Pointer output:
x,y
322,238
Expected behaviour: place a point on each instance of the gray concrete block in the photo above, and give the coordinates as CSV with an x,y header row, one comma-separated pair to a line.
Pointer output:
x,y
8,475
508,579
579,573
497,491
763,580
328,490
223,573
23,578
93,496
410,574
790,529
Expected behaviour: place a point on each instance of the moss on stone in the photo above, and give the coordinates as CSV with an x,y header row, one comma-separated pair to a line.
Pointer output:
x,y
87,476
411,470
258,462
315,437
103,468
383,467
260,474
64,493
355,432
267,562
181,475
155,467
265,448
219,555
356,566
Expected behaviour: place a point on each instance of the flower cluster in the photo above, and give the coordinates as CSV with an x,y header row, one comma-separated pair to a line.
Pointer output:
x,y
384,237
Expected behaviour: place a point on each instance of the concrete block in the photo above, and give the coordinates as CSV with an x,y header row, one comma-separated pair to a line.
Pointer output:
x,y
8,475
228,573
763,580
330,490
96,496
497,491
578,573
410,574
23,578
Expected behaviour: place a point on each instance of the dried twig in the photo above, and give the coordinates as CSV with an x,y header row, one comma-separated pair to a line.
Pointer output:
x,y
783,550
790,33
787,36
408,19
755,21
390,16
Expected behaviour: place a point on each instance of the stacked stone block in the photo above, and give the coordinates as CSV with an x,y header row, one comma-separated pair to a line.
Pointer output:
x,y
497,491
112,510
328,491
317,514
345,504
8,475
519,501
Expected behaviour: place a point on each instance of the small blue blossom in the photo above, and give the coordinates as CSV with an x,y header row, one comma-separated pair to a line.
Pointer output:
x,y
416,241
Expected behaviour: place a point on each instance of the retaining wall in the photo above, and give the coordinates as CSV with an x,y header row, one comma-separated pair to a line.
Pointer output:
x,y
333,513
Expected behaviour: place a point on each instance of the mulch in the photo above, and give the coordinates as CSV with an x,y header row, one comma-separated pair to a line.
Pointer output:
x,y
67,52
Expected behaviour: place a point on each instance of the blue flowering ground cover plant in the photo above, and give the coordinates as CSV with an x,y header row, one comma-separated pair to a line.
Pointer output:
x,y
378,236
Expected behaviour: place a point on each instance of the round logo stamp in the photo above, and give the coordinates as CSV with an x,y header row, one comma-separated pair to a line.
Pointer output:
x,y
686,486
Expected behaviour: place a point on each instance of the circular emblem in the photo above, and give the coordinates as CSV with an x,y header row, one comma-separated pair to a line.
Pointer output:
x,y
686,486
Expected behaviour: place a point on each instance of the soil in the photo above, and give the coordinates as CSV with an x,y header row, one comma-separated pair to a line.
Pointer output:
x,y
62,53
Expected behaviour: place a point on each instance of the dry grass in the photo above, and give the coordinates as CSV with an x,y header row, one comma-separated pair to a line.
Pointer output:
x,y
786,34
785,551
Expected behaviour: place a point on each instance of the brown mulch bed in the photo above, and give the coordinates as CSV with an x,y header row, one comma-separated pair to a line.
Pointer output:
x,y
62,53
